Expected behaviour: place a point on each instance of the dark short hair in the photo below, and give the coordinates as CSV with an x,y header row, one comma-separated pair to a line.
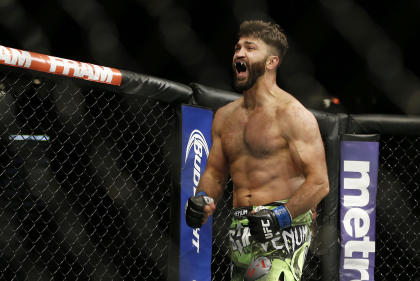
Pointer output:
x,y
270,33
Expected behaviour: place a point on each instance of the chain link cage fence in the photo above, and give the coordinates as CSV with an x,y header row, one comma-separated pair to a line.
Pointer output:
x,y
84,182
397,211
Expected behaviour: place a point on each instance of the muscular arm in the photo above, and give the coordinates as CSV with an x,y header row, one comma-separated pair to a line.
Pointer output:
x,y
307,151
214,177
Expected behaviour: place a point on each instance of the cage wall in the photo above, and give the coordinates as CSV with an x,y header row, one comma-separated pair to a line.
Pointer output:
x,y
89,180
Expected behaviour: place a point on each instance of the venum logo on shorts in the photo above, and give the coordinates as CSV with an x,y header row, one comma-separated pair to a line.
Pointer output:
x,y
241,213
197,143
356,220
289,239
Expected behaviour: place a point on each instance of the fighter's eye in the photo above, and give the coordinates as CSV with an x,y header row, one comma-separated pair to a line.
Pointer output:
x,y
240,66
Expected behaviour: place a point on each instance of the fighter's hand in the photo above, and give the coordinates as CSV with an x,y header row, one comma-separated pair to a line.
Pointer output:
x,y
198,209
265,223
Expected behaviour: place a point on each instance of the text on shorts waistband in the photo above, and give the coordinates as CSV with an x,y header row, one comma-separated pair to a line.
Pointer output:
x,y
242,212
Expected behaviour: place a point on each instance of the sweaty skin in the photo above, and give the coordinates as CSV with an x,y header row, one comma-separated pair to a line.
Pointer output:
x,y
267,141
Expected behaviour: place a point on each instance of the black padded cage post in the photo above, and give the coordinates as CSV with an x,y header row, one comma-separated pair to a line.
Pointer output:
x,y
324,249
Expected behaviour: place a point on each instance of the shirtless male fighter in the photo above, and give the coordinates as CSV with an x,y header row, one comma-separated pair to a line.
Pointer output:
x,y
271,146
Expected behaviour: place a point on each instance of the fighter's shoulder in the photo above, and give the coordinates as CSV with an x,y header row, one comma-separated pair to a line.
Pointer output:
x,y
296,113
223,113
227,110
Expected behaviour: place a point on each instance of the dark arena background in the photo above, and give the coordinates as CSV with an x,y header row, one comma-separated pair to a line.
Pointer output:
x,y
89,178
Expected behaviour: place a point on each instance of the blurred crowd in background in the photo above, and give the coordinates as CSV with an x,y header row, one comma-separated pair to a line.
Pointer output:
x,y
345,55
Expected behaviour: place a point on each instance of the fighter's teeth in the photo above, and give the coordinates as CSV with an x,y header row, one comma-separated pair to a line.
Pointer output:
x,y
240,66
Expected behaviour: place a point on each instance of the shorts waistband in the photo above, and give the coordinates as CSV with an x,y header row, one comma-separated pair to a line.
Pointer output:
x,y
241,213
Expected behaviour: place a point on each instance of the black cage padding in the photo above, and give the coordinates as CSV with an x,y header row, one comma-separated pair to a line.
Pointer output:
x,y
132,84
156,88
211,97
384,124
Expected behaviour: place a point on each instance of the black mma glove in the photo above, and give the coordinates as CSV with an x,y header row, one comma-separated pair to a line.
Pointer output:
x,y
194,209
265,223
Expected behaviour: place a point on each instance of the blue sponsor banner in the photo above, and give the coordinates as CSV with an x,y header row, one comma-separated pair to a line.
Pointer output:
x,y
358,188
195,244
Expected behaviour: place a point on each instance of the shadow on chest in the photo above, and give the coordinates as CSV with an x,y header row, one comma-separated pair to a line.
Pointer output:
x,y
259,135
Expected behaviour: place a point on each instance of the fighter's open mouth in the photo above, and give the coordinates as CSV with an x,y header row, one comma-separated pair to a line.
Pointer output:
x,y
240,66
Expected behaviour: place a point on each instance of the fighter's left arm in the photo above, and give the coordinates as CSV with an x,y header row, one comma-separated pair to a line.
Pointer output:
x,y
307,151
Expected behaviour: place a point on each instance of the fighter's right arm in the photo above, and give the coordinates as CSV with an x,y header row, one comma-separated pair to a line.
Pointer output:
x,y
200,206
215,175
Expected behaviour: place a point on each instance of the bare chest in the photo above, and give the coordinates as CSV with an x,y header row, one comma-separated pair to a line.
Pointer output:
x,y
259,135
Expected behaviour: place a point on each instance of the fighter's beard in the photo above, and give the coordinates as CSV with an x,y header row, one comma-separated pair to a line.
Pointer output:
x,y
255,71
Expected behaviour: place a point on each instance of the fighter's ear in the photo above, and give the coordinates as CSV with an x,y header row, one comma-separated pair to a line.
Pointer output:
x,y
272,62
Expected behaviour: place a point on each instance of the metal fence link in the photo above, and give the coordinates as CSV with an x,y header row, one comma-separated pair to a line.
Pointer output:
x,y
398,212
84,182
222,218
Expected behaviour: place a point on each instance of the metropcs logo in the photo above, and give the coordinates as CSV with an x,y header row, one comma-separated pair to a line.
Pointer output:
x,y
198,143
356,221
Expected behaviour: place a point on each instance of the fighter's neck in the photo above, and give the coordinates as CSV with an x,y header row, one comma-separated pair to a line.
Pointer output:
x,y
260,94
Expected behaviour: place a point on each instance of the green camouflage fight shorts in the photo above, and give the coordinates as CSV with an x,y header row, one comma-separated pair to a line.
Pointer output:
x,y
284,255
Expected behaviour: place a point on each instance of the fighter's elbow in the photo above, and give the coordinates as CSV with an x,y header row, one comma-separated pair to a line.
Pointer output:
x,y
322,186
326,190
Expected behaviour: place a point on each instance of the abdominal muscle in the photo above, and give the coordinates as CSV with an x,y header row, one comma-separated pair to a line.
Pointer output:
x,y
261,181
